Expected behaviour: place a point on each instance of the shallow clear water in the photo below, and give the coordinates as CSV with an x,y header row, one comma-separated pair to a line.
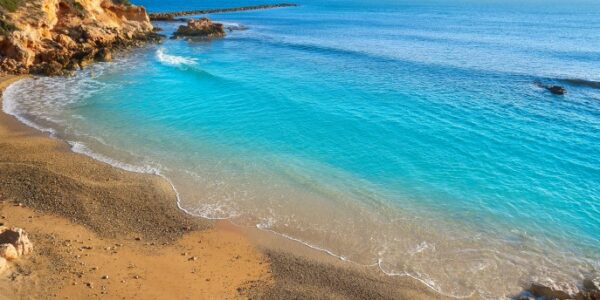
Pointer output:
x,y
406,135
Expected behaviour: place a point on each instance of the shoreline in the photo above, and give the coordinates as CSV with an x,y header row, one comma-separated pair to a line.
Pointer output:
x,y
276,253
134,239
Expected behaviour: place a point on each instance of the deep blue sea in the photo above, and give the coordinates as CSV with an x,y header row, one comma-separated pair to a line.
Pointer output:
x,y
409,135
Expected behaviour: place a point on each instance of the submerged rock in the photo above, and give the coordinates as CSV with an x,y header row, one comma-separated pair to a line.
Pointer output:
x,y
590,285
201,28
539,290
556,89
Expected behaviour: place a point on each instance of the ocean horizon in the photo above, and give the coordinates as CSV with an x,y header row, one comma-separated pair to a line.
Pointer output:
x,y
417,137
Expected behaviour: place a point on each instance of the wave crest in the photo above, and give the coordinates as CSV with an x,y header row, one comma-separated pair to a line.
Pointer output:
x,y
174,60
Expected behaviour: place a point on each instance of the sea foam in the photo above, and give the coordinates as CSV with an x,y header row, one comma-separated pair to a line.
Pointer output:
x,y
174,60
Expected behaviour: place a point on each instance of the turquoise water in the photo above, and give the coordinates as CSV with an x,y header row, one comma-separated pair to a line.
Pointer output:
x,y
406,135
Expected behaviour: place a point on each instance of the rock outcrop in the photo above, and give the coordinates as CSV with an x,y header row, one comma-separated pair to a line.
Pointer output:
x,y
16,237
554,89
54,37
8,252
201,28
589,291
14,243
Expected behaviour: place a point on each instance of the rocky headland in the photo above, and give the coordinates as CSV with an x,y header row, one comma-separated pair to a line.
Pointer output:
x,y
55,37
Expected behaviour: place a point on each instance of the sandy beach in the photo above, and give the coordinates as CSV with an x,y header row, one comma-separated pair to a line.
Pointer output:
x,y
89,221
101,232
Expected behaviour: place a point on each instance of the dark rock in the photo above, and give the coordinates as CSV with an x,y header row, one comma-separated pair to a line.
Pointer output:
x,y
556,89
51,68
549,293
593,295
589,285
104,54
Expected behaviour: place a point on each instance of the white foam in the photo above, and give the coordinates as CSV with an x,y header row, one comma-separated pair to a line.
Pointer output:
x,y
423,279
11,107
174,60
81,148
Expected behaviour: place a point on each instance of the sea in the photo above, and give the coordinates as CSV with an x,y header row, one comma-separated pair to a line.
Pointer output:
x,y
416,137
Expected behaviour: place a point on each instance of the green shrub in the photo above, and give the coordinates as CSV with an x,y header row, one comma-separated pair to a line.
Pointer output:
x,y
77,7
6,27
124,2
10,5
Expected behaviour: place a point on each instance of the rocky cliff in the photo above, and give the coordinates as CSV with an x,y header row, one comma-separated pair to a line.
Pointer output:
x,y
53,37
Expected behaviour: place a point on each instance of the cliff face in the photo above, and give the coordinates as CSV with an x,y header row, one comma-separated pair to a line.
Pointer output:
x,y
51,36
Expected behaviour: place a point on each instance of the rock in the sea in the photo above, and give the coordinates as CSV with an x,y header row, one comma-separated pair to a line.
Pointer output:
x,y
546,292
8,252
590,285
201,28
591,291
556,89
18,238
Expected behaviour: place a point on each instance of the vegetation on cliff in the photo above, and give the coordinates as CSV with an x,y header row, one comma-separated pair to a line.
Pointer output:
x,y
6,27
10,5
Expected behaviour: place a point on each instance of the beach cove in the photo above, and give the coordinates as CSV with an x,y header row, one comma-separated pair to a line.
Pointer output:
x,y
99,231
426,148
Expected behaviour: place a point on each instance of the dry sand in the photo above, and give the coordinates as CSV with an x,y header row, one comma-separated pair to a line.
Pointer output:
x,y
101,232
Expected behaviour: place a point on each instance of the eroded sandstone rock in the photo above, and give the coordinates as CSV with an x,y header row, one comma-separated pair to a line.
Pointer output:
x,y
3,264
51,36
201,28
104,54
8,252
18,238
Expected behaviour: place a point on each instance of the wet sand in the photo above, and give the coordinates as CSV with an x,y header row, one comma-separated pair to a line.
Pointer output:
x,y
102,232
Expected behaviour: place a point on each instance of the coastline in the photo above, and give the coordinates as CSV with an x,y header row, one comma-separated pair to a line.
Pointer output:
x,y
70,201
89,220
